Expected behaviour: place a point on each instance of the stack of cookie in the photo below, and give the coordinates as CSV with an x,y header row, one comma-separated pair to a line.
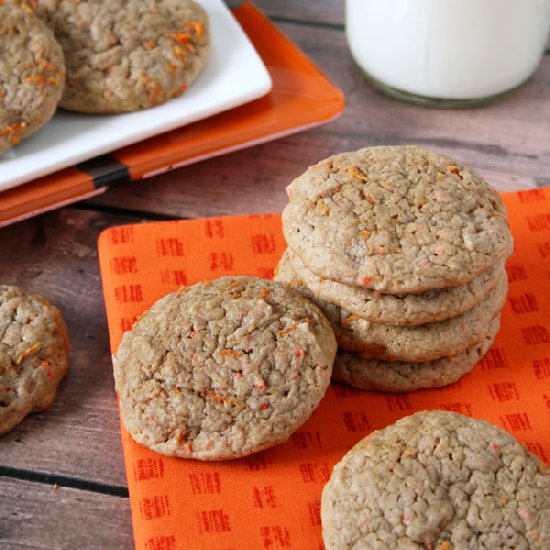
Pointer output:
x,y
404,251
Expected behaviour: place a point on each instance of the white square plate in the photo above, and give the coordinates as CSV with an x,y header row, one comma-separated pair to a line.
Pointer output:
x,y
234,75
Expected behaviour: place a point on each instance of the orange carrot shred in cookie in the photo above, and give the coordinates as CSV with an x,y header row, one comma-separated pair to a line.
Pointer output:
x,y
181,435
454,170
180,37
49,67
286,330
356,173
27,353
194,25
217,397
171,68
348,320
225,400
231,352
13,129
41,81
154,90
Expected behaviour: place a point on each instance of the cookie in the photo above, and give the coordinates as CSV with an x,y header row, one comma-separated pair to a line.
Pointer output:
x,y
126,55
223,369
400,310
395,219
33,354
399,376
424,342
437,480
403,343
32,72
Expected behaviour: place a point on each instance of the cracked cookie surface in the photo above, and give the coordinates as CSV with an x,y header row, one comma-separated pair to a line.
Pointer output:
x,y
223,369
438,480
126,55
395,219
33,354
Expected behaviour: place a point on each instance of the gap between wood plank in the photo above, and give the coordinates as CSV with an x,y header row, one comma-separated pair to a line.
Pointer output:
x,y
129,213
315,24
64,481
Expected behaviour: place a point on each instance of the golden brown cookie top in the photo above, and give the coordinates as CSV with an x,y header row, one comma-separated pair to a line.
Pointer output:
x,y
440,480
223,369
125,55
395,219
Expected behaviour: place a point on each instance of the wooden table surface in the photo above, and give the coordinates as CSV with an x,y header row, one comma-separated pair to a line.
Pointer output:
x,y
62,479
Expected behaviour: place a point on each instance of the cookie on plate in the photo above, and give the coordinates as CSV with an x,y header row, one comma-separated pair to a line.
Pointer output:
x,y
32,73
33,354
437,480
395,219
126,55
402,309
223,369
400,376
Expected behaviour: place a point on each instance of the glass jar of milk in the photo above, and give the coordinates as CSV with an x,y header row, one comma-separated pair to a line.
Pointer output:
x,y
447,53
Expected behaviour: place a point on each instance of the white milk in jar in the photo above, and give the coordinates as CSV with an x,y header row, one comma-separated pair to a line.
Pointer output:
x,y
459,51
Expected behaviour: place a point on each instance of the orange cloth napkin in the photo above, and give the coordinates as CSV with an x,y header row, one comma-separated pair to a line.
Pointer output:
x,y
271,500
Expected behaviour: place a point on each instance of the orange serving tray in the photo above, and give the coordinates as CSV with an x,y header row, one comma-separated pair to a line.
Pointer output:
x,y
301,97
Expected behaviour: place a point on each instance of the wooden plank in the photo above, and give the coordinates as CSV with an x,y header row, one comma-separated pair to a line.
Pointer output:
x,y
55,254
39,516
321,11
507,141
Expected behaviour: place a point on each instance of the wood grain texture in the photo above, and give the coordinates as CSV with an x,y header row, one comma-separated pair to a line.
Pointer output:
x,y
55,255
38,516
505,141
329,12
